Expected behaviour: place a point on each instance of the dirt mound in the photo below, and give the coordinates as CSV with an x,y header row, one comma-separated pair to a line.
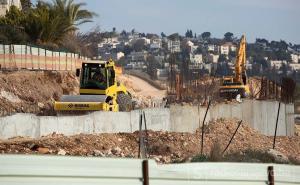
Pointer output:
x,y
34,92
164,147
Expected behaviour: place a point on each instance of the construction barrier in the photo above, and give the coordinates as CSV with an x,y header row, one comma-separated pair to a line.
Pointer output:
x,y
61,170
14,57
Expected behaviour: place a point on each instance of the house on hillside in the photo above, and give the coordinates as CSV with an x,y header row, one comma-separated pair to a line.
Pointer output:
x,y
226,48
6,4
174,46
276,63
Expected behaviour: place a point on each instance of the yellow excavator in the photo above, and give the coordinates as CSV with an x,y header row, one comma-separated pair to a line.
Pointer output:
x,y
99,90
233,86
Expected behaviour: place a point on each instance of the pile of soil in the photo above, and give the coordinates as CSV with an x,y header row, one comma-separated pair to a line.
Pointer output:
x,y
34,92
164,147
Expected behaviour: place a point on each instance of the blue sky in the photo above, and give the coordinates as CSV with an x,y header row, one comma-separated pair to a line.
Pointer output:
x,y
270,19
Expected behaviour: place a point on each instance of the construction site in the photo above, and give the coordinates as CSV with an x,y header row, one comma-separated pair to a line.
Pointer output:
x,y
174,124
142,108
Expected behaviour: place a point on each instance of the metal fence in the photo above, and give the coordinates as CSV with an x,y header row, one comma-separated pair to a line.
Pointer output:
x,y
14,57
37,169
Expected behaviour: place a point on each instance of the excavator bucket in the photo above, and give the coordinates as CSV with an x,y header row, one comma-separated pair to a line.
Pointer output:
x,y
82,103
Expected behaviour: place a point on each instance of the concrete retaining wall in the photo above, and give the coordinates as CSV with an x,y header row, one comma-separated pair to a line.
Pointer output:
x,y
261,115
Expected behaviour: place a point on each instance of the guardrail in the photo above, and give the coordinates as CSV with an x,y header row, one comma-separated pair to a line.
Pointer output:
x,y
34,169
14,57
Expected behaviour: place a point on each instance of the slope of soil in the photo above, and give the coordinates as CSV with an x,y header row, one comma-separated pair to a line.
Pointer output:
x,y
164,147
34,92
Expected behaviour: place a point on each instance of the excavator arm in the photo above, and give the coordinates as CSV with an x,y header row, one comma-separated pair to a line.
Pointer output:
x,y
240,62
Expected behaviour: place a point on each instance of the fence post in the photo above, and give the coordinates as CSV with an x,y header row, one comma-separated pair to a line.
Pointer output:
x,y
31,57
66,61
275,134
52,60
232,136
4,56
45,59
145,169
38,58
202,130
271,175
59,60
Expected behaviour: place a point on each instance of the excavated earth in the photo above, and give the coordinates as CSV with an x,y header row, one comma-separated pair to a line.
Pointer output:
x,y
164,147
33,91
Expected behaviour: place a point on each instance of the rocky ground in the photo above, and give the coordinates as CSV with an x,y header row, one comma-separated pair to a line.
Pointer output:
x,y
164,147
34,92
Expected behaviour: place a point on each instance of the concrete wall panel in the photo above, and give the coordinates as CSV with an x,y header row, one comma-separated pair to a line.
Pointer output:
x,y
261,115
26,125
111,122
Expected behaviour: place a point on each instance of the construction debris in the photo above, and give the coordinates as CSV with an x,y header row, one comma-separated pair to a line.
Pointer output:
x,y
164,147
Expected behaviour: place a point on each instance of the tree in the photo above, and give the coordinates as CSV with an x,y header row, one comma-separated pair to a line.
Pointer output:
x,y
205,35
139,45
189,34
228,36
174,36
123,33
152,64
163,34
85,43
132,31
12,30
114,29
53,21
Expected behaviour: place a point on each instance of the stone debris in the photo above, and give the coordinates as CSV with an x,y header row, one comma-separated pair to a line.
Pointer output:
x,y
278,156
42,150
162,146
61,152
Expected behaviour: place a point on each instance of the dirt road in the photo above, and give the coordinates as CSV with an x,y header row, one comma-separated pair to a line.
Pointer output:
x,y
146,89
142,91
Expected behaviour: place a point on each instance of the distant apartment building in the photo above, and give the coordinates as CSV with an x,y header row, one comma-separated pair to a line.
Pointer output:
x,y
196,58
226,48
138,56
276,63
174,46
211,47
111,55
6,4
295,58
155,43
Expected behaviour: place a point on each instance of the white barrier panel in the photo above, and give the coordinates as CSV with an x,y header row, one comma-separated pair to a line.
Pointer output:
x,y
37,169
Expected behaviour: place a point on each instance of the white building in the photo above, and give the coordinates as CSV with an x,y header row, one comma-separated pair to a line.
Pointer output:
x,y
138,56
174,46
6,4
155,43
196,58
276,63
211,47
226,48
294,66
295,58
213,58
